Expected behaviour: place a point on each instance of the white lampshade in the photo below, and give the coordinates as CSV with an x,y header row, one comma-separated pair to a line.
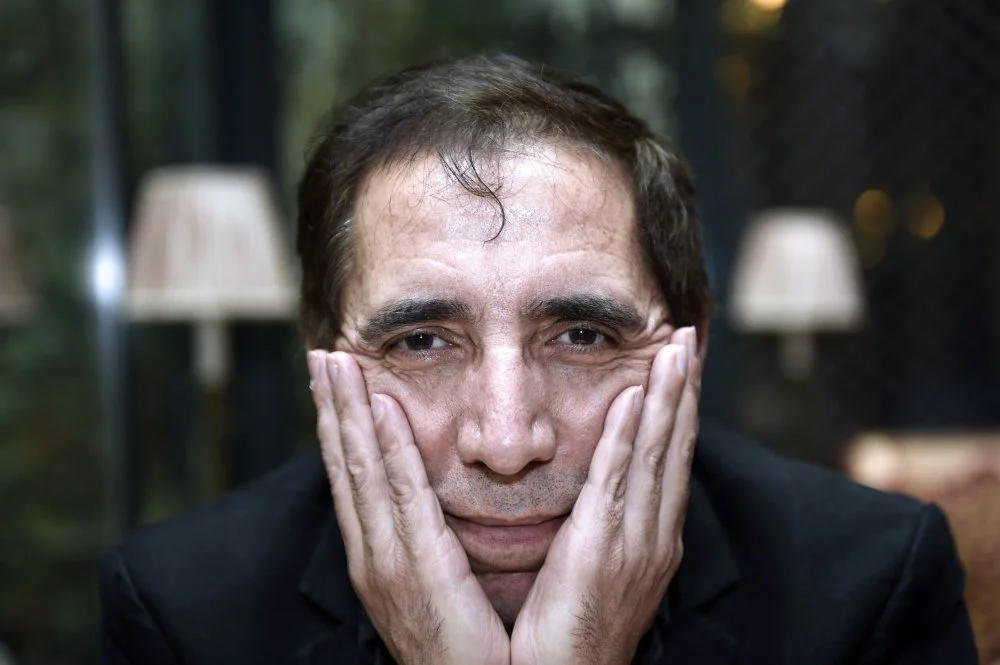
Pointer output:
x,y
16,301
796,274
206,245
207,248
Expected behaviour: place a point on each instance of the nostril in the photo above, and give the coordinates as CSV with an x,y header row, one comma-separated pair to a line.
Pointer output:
x,y
496,477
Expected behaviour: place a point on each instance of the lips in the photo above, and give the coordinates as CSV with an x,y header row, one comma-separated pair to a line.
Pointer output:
x,y
498,545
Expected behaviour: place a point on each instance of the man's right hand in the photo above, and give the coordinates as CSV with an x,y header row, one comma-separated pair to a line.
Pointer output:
x,y
407,567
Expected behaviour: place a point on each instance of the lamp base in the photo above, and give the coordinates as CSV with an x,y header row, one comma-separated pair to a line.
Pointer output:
x,y
797,353
211,358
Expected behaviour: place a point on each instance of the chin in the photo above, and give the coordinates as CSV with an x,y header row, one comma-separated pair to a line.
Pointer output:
x,y
507,593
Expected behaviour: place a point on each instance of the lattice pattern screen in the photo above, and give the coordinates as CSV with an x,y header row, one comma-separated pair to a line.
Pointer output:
x,y
887,112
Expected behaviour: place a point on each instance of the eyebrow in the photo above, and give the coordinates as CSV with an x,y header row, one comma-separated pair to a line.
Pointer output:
x,y
588,307
407,312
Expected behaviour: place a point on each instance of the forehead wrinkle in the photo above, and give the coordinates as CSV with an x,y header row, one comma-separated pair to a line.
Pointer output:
x,y
412,183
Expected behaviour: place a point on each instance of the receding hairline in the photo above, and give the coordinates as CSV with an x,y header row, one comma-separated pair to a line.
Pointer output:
x,y
523,146
546,149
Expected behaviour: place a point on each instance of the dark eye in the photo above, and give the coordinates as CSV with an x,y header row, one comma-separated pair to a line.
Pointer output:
x,y
581,337
422,342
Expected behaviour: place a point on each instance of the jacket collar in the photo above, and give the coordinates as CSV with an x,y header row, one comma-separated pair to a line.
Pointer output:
x,y
707,572
326,582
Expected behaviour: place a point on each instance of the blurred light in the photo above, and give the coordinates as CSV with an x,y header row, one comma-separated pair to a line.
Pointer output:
x,y
106,274
874,213
745,17
571,15
769,5
645,83
643,12
871,249
926,217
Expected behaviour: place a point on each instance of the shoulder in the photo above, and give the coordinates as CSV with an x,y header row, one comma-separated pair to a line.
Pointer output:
x,y
786,499
270,525
830,555
221,583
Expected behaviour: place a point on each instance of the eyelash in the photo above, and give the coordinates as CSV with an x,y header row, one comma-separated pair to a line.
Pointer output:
x,y
398,343
608,338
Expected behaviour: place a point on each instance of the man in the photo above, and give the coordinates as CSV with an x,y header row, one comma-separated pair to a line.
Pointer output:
x,y
504,294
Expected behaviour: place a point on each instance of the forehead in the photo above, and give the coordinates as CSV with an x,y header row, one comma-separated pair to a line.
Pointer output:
x,y
559,214
535,185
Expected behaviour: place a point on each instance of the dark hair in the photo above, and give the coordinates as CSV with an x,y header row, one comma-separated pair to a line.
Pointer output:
x,y
472,109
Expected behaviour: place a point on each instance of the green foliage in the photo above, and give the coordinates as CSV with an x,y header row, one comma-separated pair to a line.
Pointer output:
x,y
49,446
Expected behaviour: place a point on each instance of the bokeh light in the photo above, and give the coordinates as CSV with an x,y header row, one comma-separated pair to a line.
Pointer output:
x,y
926,217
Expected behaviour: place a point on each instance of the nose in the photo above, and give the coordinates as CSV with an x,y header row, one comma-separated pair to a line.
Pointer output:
x,y
509,426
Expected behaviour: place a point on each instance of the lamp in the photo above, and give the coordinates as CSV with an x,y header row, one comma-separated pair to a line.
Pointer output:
x,y
796,274
16,301
207,249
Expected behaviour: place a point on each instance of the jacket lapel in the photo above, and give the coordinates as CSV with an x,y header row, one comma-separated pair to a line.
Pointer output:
x,y
327,586
707,572
325,581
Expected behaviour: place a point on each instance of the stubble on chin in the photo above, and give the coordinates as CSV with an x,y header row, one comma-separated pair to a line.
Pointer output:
x,y
507,593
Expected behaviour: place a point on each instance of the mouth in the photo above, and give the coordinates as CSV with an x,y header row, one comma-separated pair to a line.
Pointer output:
x,y
505,545
490,521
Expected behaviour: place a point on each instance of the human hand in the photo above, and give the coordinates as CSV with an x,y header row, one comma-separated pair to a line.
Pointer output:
x,y
609,566
406,565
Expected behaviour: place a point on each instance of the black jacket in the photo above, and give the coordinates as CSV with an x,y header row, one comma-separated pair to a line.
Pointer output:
x,y
784,564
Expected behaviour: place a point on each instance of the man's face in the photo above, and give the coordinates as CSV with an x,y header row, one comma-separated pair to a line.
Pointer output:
x,y
504,347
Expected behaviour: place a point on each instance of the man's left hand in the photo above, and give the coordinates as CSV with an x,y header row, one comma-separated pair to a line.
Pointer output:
x,y
611,562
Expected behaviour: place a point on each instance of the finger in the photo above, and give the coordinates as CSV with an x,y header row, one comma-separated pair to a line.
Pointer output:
x,y
416,506
603,492
362,456
677,472
652,441
328,432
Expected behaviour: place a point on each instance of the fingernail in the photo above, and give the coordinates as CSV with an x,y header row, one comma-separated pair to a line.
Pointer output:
x,y
691,340
681,358
331,368
378,406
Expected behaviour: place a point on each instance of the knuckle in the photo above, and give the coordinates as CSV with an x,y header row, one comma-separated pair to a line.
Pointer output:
x,y
402,527
361,475
653,456
617,486
402,493
688,445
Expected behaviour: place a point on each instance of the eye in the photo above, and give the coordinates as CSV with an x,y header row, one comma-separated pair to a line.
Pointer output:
x,y
421,341
581,337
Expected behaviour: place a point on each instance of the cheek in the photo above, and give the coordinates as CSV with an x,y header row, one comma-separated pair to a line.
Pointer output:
x,y
572,401
578,401
431,406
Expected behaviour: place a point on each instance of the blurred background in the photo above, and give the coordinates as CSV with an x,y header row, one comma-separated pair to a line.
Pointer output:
x,y
847,154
